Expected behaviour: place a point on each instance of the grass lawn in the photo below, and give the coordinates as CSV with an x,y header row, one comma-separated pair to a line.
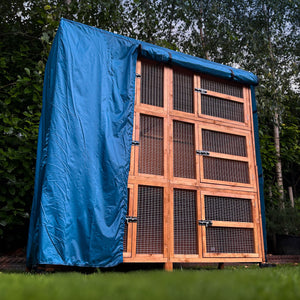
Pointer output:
x,y
282,282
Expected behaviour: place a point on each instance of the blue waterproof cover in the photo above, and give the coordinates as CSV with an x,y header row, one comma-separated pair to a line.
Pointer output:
x,y
85,135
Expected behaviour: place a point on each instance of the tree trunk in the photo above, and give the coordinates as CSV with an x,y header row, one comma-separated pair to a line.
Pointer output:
x,y
202,37
278,162
291,196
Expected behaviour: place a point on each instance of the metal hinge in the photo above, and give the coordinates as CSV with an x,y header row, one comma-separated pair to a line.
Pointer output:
x,y
138,75
131,219
135,143
205,223
201,152
202,91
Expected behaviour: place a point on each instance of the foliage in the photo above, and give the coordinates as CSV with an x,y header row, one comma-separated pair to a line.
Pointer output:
x,y
261,36
285,222
27,30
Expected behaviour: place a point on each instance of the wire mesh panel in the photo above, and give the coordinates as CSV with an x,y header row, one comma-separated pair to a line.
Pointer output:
x,y
183,92
185,222
152,84
227,88
224,143
126,225
149,238
221,108
184,149
151,151
229,240
225,170
228,209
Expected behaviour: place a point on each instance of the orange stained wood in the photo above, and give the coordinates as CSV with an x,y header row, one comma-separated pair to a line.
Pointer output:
x,y
203,186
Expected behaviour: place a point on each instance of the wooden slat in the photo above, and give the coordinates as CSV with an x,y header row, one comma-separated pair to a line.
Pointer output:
x,y
134,225
225,96
198,144
169,160
148,180
130,213
229,156
145,259
199,231
218,182
151,256
240,255
171,216
247,107
256,222
259,237
132,164
232,224
197,96
138,83
150,110
227,193
221,259
136,148
225,128
202,228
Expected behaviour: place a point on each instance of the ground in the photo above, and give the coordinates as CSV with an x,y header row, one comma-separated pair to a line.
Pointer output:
x,y
234,282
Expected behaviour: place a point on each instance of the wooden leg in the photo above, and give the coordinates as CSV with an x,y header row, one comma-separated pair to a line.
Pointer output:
x,y
168,266
221,266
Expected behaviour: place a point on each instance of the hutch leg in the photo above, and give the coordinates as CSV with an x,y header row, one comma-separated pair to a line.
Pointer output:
x,y
168,266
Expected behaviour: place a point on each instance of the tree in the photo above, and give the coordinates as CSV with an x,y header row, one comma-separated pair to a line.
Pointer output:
x,y
261,36
27,29
271,53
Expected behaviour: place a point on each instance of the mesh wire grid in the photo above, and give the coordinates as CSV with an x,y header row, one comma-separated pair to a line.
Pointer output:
x,y
228,209
227,88
185,222
224,143
126,225
225,170
229,240
184,150
151,149
152,84
149,238
221,108
183,92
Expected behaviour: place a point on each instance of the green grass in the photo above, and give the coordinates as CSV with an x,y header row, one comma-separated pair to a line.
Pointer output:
x,y
282,282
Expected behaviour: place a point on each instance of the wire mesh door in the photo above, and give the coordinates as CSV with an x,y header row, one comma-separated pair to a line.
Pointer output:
x,y
224,156
149,172
228,225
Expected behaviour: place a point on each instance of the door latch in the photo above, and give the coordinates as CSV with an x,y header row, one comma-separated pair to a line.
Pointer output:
x,y
205,223
131,219
202,91
201,152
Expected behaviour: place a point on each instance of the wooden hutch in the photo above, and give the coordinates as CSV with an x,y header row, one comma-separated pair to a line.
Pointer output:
x,y
193,187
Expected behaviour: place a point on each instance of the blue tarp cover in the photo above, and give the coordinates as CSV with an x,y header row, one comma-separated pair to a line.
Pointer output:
x,y
85,136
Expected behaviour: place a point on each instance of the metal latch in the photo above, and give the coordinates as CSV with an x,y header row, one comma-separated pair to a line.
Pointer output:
x,y
205,223
131,219
202,91
201,152
135,143
138,75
